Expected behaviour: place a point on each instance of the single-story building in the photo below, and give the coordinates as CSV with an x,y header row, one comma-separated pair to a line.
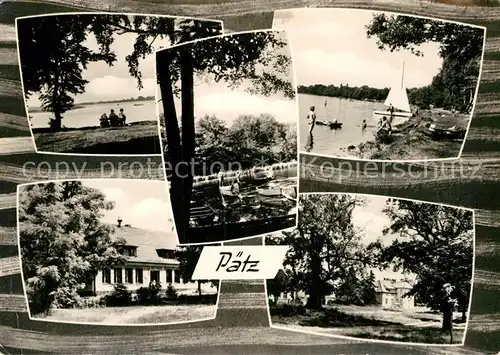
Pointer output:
x,y
391,294
150,257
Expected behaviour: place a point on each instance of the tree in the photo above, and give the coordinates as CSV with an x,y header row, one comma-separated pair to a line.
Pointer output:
x,y
53,57
231,59
63,243
278,285
188,258
357,288
436,244
324,246
54,52
460,46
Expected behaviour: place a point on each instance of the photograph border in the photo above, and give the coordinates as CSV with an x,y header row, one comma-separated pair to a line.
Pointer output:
x,y
296,99
175,17
18,235
369,340
471,115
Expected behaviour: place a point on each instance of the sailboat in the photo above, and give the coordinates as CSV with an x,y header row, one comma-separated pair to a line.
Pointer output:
x,y
398,97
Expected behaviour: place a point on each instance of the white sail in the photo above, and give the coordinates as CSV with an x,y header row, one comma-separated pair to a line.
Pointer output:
x,y
398,97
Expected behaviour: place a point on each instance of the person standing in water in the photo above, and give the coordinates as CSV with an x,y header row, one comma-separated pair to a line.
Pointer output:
x,y
312,116
363,125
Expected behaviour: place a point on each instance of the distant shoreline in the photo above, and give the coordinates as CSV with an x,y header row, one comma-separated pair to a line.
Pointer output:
x,y
86,104
341,97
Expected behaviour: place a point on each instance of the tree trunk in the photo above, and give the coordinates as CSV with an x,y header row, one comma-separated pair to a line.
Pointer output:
x,y
199,289
314,301
316,285
447,317
188,128
56,123
173,147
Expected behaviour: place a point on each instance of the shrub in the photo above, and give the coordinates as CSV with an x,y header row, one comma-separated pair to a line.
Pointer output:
x,y
150,294
93,302
289,310
120,296
171,292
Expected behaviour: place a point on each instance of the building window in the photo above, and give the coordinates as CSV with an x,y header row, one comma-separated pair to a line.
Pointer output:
x,y
169,276
177,277
138,276
118,276
155,276
106,276
128,251
129,273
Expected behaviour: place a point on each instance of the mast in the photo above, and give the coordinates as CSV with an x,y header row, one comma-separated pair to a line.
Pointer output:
x,y
403,76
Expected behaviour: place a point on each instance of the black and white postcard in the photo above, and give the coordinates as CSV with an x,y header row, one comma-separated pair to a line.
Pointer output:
x,y
105,251
88,79
375,268
228,113
383,86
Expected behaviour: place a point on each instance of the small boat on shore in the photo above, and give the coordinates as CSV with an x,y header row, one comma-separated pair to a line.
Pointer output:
x,y
436,132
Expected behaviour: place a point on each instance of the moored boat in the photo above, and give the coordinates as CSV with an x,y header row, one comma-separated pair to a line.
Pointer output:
x,y
398,98
330,124
290,193
269,191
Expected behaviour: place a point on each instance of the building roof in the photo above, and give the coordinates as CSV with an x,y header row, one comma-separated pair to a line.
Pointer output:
x,y
147,243
391,286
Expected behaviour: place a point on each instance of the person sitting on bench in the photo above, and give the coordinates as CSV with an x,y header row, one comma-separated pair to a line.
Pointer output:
x,y
122,117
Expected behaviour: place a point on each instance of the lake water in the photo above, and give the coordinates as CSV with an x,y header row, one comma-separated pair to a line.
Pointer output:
x,y
335,141
89,115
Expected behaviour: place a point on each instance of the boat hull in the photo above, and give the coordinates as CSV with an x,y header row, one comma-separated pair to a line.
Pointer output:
x,y
269,192
445,133
329,124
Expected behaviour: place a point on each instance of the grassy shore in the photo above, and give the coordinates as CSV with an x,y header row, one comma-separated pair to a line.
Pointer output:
x,y
136,138
409,142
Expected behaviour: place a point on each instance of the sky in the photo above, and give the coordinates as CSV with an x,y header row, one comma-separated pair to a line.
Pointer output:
x,y
330,47
212,98
140,203
115,83
372,221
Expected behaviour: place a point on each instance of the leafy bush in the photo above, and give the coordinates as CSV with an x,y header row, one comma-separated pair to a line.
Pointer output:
x,y
289,310
150,294
93,302
171,292
120,296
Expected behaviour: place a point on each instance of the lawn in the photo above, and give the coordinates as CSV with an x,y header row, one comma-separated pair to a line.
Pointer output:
x,y
369,323
134,314
137,138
